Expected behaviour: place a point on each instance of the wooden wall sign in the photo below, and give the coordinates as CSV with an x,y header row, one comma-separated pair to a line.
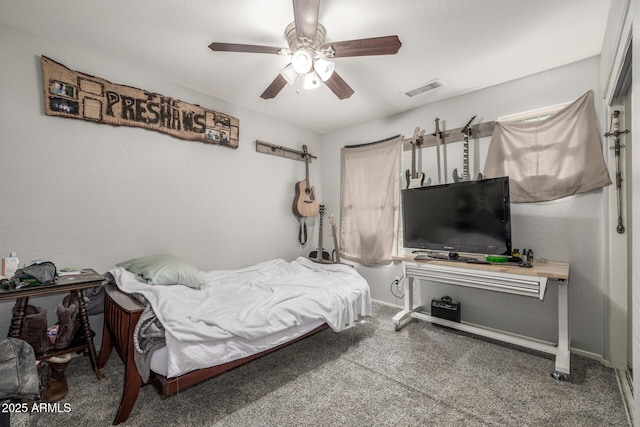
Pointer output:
x,y
72,94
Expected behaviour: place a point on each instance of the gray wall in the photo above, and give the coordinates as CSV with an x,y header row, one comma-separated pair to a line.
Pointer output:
x,y
567,230
88,195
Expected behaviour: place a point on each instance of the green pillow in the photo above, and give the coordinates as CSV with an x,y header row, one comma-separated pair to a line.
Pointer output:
x,y
164,270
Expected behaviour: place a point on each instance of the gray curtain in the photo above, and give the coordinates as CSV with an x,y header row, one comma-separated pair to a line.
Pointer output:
x,y
370,200
551,158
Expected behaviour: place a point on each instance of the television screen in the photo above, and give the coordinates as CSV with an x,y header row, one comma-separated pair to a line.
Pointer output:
x,y
469,216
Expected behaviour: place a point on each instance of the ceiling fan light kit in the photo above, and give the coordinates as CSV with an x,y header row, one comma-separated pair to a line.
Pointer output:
x,y
290,75
309,65
324,68
310,81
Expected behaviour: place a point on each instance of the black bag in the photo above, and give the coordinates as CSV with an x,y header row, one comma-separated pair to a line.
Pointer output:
x,y
36,274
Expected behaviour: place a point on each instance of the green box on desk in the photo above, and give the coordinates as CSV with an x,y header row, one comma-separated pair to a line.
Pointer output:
x,y
445,308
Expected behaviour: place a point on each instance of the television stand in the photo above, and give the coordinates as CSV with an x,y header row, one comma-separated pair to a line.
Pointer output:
x,y
505,278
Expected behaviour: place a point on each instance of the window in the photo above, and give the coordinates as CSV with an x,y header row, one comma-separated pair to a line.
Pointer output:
x,y
533,115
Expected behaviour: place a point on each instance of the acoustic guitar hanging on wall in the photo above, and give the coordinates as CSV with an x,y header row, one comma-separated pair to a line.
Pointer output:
x,y
305,203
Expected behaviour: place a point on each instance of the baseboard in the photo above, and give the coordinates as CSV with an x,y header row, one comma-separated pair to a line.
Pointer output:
x,y
625,383
388,304
590,355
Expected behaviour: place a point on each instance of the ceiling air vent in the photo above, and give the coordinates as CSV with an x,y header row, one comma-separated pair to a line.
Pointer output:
x,y
433,84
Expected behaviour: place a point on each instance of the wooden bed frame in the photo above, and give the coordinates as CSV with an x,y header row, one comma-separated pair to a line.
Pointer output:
x,y
121,314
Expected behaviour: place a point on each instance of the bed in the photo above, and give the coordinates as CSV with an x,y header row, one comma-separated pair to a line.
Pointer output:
x,y
227,319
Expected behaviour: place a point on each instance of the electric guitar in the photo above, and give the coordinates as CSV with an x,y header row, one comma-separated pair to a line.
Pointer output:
x,y
415,179
320,253
465,161
305,203
336,251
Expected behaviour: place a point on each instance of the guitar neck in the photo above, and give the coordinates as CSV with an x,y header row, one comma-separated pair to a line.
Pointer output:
x,y
335,242
465,161
414,142
320,247
466,176
305,154
414,174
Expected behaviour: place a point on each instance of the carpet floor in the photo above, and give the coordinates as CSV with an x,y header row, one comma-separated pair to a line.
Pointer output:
x,y
369,375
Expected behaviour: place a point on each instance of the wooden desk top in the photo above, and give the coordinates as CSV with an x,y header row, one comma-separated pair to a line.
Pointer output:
x,y
552,270
61,284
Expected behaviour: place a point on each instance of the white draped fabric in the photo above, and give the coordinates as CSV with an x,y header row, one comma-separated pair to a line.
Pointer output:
x,y
551,158
370,201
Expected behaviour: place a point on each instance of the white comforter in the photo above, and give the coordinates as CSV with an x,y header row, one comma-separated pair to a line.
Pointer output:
x,y
254,302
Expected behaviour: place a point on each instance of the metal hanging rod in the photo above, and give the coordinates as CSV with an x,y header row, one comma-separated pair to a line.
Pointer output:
x,y
280,151
616,133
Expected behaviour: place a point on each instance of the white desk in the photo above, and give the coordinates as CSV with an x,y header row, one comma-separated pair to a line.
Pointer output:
x,y
512,279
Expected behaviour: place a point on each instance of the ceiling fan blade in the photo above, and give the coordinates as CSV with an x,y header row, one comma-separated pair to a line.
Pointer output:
x,y
250,48
274,88
305,15
339,86
387,45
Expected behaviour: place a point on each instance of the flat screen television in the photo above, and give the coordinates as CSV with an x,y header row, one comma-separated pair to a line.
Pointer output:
x,y
469,216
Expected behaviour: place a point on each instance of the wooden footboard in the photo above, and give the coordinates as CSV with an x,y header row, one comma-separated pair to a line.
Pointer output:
x,y
121,314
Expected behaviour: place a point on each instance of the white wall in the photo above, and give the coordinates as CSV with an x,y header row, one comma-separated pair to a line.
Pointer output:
x,y
88,195
564,230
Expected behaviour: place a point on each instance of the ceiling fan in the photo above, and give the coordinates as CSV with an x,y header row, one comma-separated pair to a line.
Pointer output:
x,y
309,53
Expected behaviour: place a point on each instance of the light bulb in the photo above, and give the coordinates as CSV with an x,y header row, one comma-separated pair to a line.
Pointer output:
x,y
302,61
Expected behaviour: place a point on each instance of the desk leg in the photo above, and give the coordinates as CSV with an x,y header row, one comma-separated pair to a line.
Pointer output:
x,y
86,329
400,319
18,316
563,357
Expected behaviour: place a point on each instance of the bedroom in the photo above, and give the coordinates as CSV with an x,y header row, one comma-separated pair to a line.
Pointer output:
x,y
112,193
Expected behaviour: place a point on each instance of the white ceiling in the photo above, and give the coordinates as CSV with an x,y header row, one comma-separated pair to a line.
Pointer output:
x,y
468,44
